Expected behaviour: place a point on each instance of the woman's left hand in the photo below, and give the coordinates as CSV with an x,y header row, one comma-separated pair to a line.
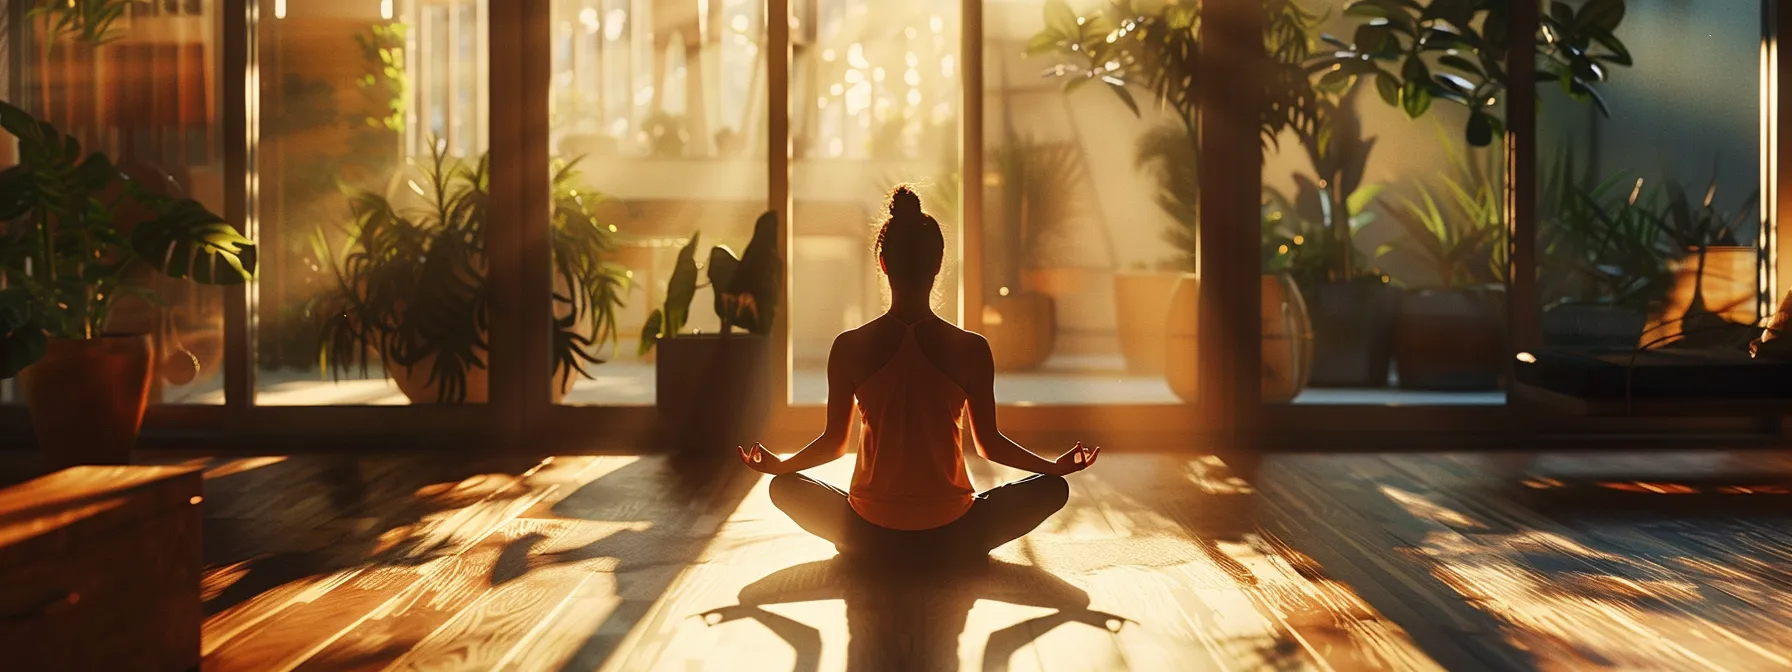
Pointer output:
x,y
757,458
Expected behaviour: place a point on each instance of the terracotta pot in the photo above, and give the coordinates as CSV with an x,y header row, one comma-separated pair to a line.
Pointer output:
x,y
1353,333
1141,301
87,399
1451,340
1729,290
1182,338
712,392
1022,330
1287,339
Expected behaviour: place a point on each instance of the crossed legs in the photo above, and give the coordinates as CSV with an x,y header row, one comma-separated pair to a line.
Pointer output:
x,y
997,516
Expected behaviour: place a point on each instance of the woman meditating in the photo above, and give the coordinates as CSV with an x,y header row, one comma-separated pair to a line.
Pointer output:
x,y
912,375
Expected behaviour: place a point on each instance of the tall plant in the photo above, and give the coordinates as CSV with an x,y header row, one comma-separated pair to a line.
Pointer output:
x,y
68,254
413,287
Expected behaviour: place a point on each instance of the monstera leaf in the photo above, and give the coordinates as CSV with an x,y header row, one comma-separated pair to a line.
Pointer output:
x,y
22,340
187,241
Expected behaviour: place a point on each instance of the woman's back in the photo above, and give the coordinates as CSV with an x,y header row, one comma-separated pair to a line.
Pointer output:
x,y
911,472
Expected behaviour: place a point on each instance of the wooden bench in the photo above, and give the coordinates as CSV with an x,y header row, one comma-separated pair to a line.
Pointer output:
x,y
99,570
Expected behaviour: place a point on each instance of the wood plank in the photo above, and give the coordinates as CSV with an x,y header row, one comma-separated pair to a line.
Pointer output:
x,y
494,628
1612,600
327,606
1362,544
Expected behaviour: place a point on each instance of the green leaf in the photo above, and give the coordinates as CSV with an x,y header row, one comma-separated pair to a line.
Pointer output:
x,y
187,241
1045,42
1620,54
1359,200
722,266
1460,63
1375,38
1415,98
1388,86
22,339
650,332
1480,130
17,192
681,288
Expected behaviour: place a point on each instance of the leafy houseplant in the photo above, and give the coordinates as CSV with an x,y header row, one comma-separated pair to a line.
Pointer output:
x,y
412,288
1703,236
710,389
1603,258
1444,50
1449,336
77,234
1036,201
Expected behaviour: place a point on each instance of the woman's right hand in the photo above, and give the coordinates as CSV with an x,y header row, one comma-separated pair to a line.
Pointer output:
x,y
1076,459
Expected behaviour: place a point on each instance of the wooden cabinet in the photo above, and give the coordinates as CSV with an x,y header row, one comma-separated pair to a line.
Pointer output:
x,y
99,570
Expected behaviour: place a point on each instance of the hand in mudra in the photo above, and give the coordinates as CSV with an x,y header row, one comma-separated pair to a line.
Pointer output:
x,y
757,458
1077,459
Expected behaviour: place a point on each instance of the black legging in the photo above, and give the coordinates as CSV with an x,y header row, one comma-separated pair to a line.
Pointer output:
x,y
997,516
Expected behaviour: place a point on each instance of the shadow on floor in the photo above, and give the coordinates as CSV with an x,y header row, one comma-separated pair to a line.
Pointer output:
x,y
901,618
674,505
312,515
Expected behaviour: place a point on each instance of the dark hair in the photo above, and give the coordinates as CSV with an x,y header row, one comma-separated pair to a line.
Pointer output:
x,y
910,244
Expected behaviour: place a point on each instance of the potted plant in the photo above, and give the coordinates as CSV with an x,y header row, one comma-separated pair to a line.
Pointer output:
x,y
1037,198
1603,261
412,289
1713,301
1142,292
78,233
1450,335
1450,50
711,390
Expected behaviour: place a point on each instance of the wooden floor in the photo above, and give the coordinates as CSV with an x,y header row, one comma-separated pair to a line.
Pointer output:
x,y
1159,562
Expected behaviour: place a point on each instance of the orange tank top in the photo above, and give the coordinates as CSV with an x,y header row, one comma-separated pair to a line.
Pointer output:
x,y
910,474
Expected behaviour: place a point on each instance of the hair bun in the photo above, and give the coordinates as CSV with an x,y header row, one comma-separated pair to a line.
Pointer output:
x,y
904,204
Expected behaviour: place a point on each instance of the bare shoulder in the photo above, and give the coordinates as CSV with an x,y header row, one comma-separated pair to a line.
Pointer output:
x,y
849,341
970,341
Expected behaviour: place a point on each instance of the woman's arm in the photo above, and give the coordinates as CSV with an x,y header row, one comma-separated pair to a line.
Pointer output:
x,y
991,444
832,442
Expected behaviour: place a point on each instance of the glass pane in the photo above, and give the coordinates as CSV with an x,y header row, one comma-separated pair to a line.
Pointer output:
x,y
1089,222
874,103
365,115
143,90
664,115
1382,236
1649,218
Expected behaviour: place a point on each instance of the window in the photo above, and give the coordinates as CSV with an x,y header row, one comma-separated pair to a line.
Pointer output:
x,y
145,93
370,292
